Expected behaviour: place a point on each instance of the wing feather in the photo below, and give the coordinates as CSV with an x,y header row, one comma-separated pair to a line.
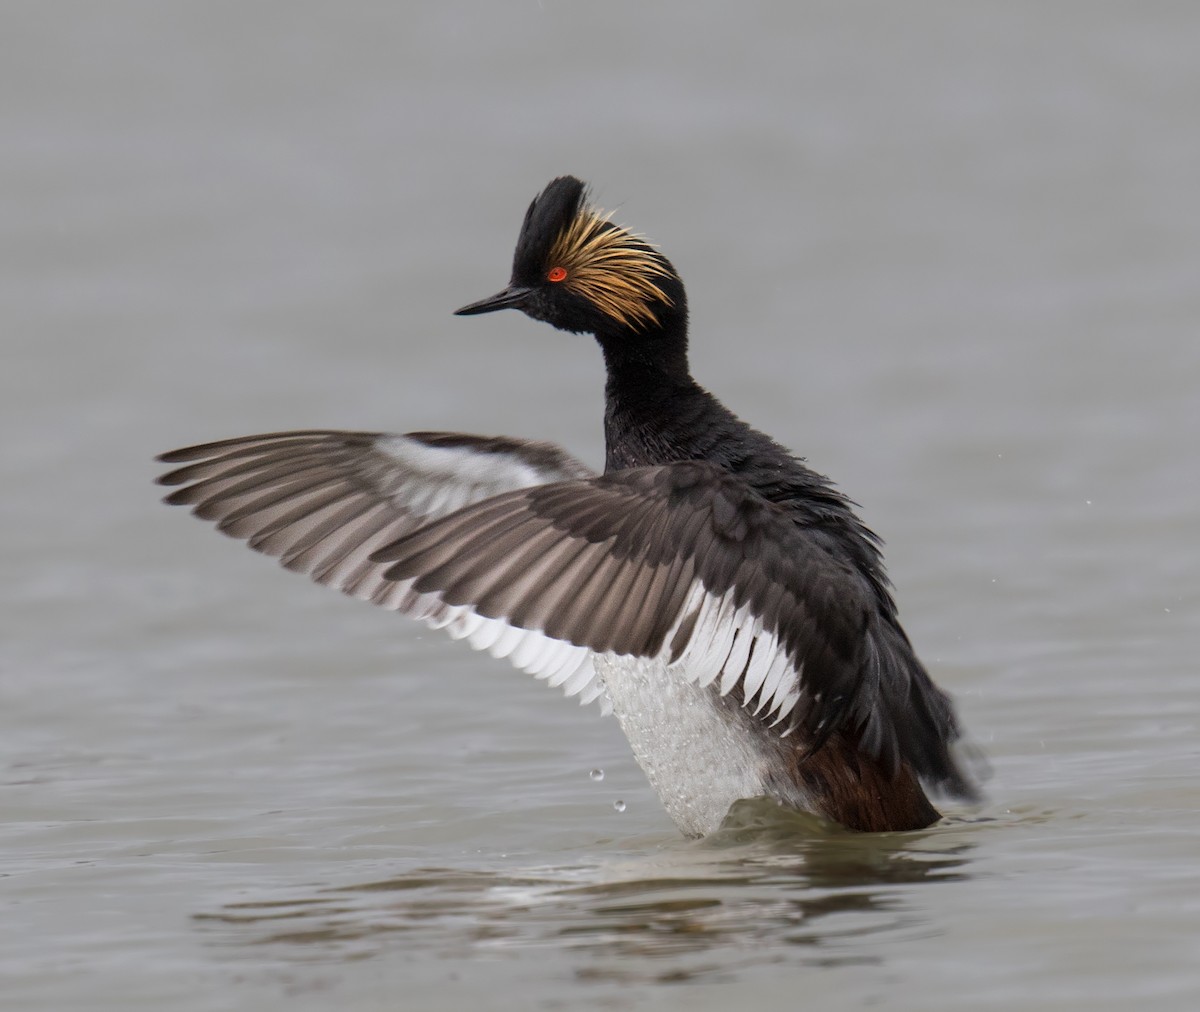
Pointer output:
x,y
520,551
323,502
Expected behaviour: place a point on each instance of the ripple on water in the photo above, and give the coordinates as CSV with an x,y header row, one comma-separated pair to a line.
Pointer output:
x,y
770,885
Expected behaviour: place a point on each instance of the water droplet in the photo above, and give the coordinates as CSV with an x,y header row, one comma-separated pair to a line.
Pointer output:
x,y
619,806
597,774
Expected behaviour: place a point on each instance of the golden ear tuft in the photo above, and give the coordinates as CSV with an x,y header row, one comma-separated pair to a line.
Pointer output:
x,y
611,267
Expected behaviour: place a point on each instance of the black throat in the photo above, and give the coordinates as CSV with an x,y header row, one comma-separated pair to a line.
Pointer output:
x,y
655,413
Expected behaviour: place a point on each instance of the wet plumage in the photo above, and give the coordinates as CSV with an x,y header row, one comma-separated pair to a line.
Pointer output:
x,y
721,598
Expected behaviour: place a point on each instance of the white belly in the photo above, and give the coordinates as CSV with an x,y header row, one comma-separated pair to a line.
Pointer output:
x,y
697,759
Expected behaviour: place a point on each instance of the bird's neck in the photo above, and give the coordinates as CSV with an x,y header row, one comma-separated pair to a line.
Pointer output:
x,y
655,413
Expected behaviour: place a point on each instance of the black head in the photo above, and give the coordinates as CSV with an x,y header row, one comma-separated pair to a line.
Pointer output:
x,y
575,269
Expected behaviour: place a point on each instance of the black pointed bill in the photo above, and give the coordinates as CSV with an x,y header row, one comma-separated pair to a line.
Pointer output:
x,y
510,298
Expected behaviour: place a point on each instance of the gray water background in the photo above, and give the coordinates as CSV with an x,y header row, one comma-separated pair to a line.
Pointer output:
x,y
947,251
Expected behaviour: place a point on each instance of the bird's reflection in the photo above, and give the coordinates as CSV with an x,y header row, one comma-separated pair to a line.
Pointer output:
x,y
768,881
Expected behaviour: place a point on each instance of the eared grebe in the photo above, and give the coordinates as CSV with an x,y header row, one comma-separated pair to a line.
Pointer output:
x,y
713,592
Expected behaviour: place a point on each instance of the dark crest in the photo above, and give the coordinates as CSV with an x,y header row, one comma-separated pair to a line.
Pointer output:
x,y
549,215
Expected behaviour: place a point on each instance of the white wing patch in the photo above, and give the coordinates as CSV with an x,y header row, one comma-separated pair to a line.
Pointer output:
x,y
557,662
484,474
728,645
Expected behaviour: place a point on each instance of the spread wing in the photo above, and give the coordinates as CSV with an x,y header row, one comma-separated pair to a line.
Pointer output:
x,y
518,549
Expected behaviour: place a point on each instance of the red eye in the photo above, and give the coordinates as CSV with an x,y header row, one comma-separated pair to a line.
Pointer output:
x,y
556,274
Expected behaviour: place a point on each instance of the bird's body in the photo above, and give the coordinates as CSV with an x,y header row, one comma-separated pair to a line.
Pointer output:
x,y
721,598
